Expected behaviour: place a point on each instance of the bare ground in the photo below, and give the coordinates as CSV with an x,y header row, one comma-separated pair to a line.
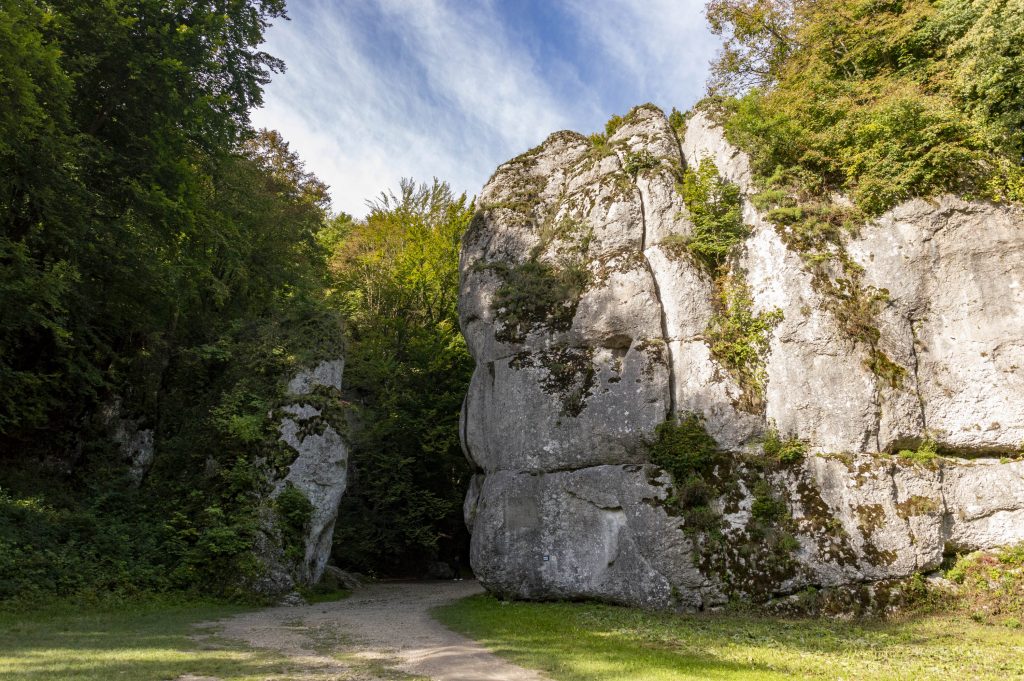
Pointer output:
x,y
383,632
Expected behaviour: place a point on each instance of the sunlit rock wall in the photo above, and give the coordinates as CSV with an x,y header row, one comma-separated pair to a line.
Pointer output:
x,y
589,328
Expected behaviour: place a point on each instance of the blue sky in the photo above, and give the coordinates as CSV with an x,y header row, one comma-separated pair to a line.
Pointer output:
x,y
378,90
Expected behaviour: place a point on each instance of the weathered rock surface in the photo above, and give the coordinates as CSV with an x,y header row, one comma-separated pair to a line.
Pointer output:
x,y
319,471
567,392
134,442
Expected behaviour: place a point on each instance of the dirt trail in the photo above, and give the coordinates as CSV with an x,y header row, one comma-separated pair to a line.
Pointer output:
x,y
381,632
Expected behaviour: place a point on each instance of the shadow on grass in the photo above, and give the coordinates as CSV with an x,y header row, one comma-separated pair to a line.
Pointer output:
x,y
579,641
140,642
592,642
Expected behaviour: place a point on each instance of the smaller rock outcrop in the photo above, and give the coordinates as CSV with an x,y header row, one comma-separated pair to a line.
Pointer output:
x,y
134,442
319,473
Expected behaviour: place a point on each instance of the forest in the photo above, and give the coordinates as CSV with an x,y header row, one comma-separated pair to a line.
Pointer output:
x,y
163,261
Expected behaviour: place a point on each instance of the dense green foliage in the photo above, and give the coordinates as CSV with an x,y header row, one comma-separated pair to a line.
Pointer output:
x,y
395,277
110,544
716,210
683,448
122,122
739,337
294,510
881,101
158,263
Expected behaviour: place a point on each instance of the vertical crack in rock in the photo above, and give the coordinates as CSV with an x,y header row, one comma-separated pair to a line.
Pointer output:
x,y
679,146
917,378
661,305
878,417
946,520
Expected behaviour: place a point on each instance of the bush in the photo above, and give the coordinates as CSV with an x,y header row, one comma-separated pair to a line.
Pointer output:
x,y
294,512
788,450
991,584
683,447
739,338
716,209
636,161
909,107
109,546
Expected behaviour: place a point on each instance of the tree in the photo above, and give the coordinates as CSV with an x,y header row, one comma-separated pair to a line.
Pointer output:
x,y
117,118
880,101
395,277
758,37
158,253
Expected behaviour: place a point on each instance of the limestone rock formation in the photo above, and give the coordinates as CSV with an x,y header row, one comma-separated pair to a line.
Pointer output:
x,y
133,441
589,323
319,472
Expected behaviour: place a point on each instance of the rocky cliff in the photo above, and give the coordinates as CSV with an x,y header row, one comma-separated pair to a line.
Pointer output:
x,y
784,384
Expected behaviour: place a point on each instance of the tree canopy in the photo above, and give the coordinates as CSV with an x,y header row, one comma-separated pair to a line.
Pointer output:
x,y
395,277
879,100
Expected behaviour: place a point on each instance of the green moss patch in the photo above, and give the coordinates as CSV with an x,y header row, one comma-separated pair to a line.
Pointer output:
x,y
749,561
569,374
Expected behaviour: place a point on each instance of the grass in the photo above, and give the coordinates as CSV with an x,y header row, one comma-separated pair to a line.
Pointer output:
x,y
139,641
317,595
591,642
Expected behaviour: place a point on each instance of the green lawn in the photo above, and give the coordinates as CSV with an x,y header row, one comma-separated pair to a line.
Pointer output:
x,y
590,642
137,642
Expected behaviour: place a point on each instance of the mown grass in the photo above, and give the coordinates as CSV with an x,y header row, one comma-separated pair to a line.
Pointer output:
x,y
139,641
591,642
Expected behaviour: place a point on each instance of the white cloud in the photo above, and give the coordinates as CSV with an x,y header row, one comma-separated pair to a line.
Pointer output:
x,y
489,81
662,45
384,89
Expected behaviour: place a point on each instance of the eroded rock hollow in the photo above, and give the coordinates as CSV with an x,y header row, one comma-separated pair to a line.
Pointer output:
x,y
591,324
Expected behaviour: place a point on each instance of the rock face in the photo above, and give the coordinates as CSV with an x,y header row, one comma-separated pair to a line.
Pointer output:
x,y
319,472
590,328
134,442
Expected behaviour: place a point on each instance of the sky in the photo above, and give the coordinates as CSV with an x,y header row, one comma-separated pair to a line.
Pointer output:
x,y
379,90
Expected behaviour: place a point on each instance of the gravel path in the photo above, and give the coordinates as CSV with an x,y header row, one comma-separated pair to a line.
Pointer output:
x,y
381,632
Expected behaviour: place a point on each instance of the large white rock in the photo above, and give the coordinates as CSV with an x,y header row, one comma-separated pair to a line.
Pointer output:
x,y
319,471
565,503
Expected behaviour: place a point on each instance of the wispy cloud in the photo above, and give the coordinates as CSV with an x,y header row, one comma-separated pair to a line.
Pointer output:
x,y
659,47
384,89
